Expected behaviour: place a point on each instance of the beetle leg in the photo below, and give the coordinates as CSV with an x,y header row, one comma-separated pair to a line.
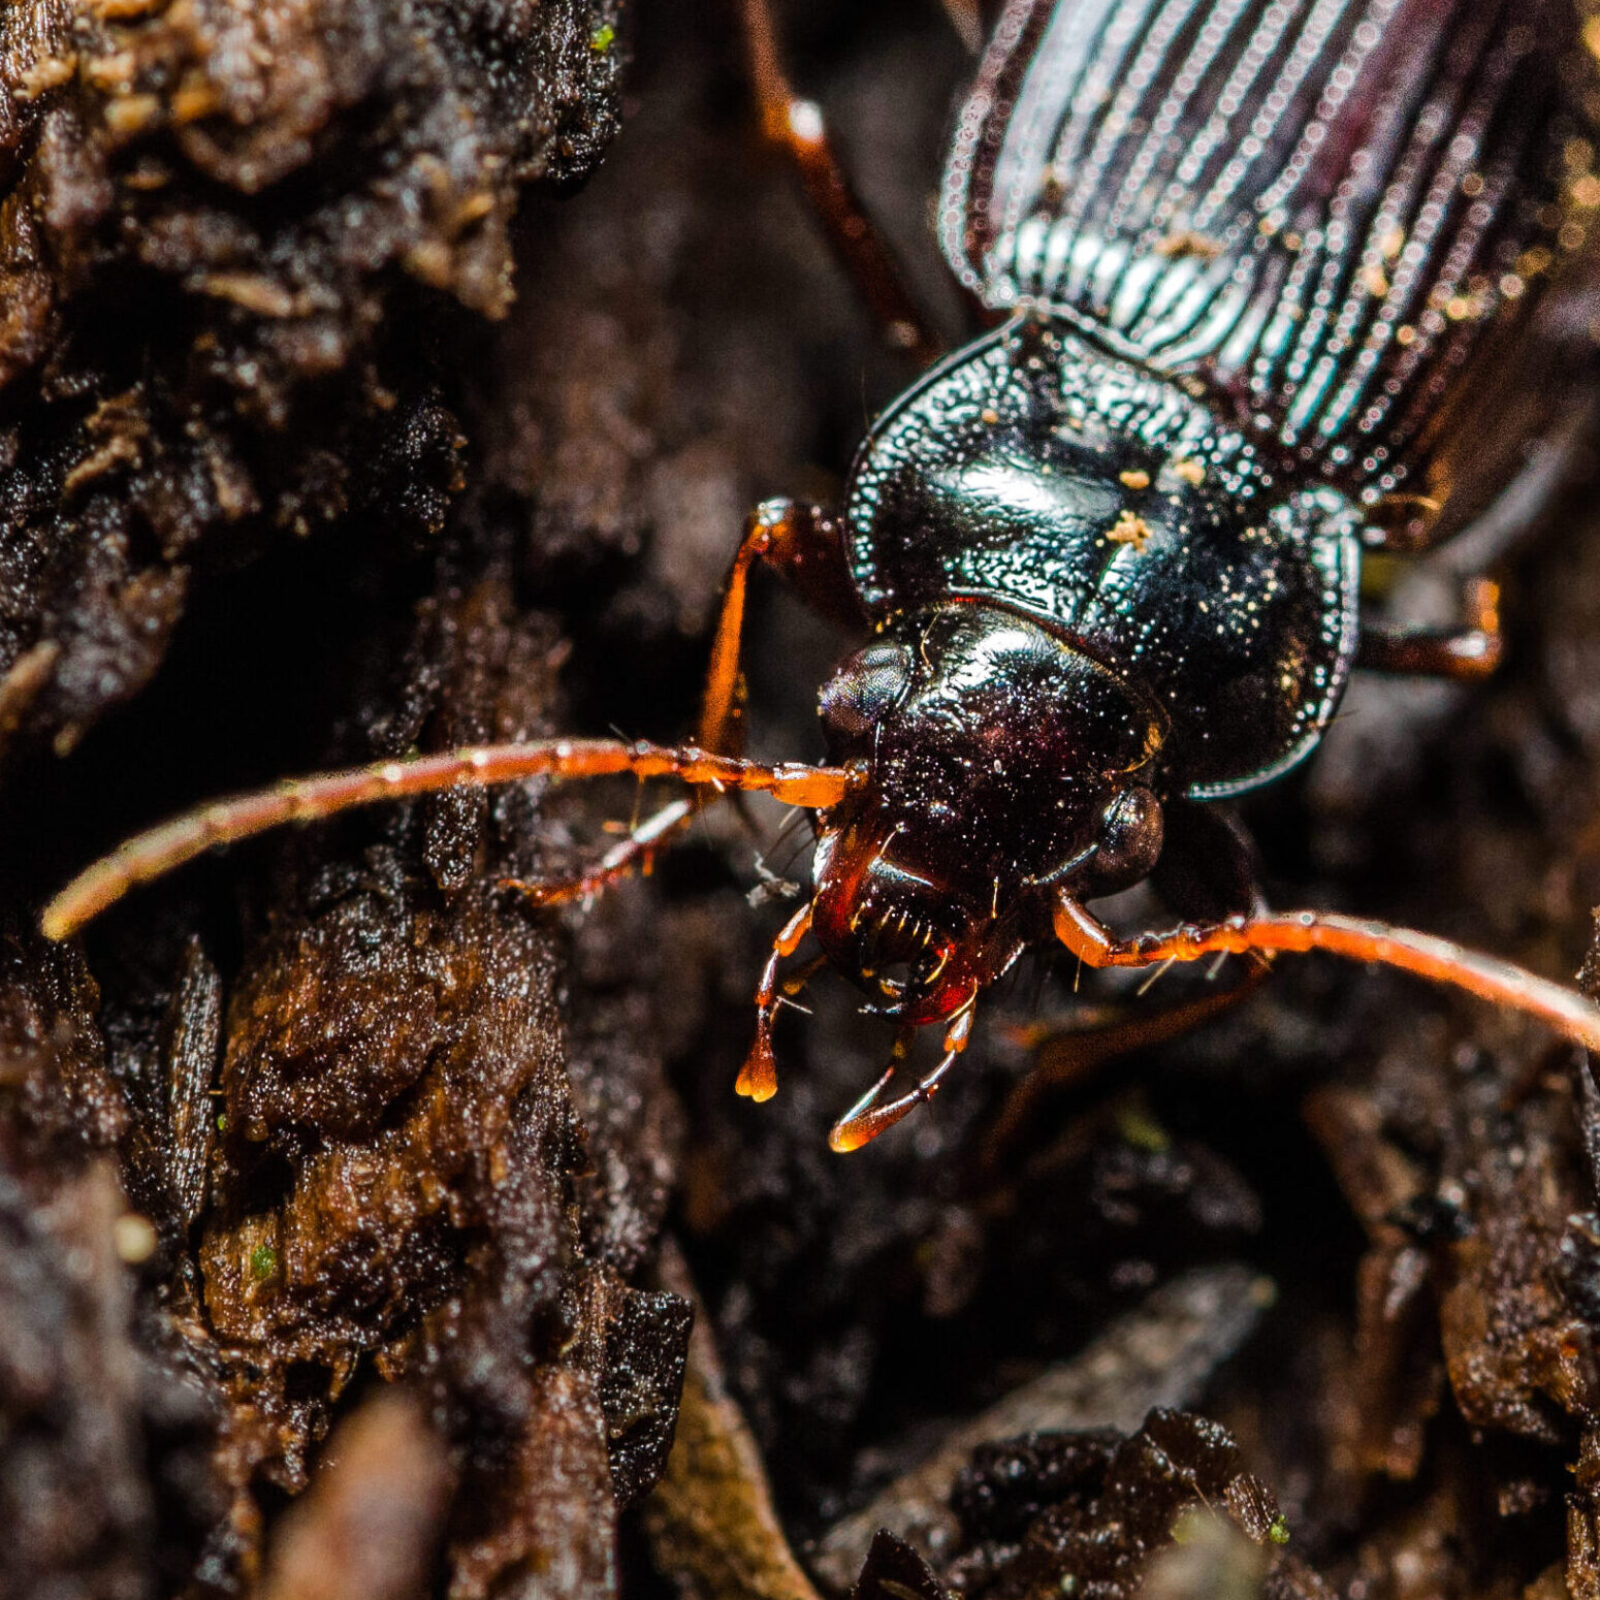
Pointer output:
x,y
1467,653
758,1079
1502,982
636,852
872,1115
1410,523
1071,1055
153,854
796,127
804,545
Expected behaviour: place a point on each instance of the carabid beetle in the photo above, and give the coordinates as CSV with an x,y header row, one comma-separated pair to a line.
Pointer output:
x,y
1282,280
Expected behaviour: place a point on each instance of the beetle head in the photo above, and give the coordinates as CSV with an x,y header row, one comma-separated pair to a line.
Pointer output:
x,y
1001,766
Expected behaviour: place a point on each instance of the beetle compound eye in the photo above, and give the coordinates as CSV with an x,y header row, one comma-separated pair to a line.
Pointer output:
x,y
1131,831
864,689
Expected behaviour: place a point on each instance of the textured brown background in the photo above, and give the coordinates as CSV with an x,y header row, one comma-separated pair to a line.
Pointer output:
x,y
328,431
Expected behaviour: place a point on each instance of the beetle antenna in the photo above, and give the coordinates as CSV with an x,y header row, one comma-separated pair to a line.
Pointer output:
x,y
1502,982
153,854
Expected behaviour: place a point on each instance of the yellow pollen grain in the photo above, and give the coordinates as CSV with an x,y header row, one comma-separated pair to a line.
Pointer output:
x,y
1134,479
195,100
1190,470
1130,529
251,290
132,114
1177,246
111,73
49,73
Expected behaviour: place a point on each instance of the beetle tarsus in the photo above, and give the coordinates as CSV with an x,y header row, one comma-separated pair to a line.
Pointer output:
x,y
636,853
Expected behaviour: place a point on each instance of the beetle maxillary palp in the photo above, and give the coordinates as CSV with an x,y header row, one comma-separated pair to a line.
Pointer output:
x,y
758,1079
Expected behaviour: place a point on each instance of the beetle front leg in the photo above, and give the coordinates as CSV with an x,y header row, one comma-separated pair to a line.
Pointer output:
x,y
804,545
636,853
1069,1056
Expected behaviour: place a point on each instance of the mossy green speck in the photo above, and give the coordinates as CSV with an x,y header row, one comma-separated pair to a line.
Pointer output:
x,y
1140,1129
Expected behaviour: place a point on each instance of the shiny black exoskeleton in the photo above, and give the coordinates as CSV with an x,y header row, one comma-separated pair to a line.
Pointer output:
x,y
1089,599
1255,256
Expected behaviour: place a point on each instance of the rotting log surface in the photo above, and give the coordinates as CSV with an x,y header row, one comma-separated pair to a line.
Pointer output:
x,y
333,1178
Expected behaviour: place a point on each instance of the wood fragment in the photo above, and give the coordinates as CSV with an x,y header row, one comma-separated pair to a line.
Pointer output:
x,y
1161,1354
711,1521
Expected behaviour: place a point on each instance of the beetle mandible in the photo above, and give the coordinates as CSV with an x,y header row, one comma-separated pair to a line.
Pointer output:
x,y
1276,281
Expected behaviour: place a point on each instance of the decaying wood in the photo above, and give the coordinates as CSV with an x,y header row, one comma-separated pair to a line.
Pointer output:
x,y
333,1177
